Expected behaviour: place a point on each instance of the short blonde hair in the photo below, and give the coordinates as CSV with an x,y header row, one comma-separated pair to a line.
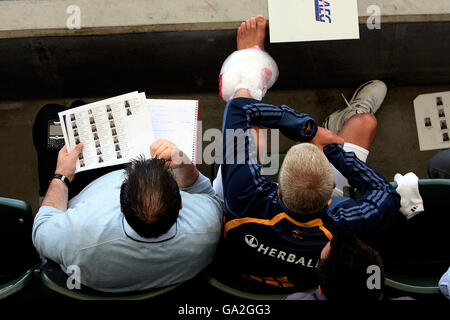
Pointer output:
x,y
306,179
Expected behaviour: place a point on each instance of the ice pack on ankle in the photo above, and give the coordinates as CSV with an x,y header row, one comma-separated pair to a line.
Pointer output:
x,y
252,69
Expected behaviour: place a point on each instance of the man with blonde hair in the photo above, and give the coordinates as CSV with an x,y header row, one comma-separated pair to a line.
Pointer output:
x,y
274,233
306,179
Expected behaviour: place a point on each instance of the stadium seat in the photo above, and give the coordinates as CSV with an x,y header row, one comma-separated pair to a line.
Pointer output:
x,y
242,291
423,268
55,279
11,287
416,266
19,258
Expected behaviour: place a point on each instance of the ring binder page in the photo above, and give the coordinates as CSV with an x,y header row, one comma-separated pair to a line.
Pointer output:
x,y
177,122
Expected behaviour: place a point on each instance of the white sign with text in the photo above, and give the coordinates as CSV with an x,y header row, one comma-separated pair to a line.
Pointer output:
x,y
313,20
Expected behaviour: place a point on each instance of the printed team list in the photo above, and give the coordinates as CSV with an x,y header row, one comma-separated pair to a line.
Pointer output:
x,y
432,113
105,128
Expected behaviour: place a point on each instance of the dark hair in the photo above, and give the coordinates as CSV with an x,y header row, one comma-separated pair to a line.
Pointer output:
x,y
150,197
343,273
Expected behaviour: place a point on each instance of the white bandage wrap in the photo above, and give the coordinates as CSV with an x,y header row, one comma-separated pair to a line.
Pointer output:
x,y
252,69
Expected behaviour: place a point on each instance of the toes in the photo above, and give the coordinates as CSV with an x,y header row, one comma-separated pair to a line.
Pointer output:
x,y
248,25
261,20
241,29
253,23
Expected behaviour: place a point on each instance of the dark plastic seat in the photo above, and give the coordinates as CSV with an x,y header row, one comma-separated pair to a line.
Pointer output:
x,y
54,278
11,287
19,258
417,266
245,290
421,272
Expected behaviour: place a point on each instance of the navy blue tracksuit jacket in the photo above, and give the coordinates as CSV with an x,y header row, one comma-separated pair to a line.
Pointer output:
x,y
264,240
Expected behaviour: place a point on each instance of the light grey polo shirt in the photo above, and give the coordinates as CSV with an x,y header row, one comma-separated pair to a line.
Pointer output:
x,y
94,235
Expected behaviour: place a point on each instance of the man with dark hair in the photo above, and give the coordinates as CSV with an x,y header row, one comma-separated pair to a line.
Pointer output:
x,y
150,214
155,224
348,270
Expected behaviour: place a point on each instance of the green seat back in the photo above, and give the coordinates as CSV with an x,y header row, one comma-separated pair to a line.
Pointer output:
x,y
423,265
19,258
55,279
18,252
11,287
244,290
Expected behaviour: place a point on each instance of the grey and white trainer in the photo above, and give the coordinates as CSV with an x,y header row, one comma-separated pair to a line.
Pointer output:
x,y
366,99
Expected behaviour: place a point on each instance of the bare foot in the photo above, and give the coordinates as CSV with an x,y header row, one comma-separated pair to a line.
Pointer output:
x,y
252,33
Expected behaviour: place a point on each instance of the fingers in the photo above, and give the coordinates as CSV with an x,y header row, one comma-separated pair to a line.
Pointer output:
x,y
76,151
165,152
162,149
63,150
78,148
340,140
334,138
168,151
155,145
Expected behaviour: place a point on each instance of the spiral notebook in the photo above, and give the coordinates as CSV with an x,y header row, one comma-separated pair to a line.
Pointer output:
x,y
176,121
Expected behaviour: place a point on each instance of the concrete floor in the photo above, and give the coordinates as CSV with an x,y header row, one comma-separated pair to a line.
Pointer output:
x,y
395,149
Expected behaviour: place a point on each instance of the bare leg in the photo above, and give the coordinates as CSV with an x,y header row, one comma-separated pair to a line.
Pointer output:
x,y
251,33
360,129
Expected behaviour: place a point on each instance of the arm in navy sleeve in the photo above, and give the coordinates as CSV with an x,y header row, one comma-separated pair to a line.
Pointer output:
x,y
379,203
243,113
245,188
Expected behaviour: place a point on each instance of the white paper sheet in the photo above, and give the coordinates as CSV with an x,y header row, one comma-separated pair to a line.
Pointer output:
x,y
113,131
313,20
176,121
432,113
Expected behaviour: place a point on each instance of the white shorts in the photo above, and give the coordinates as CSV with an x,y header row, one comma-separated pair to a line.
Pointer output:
x,y
341,181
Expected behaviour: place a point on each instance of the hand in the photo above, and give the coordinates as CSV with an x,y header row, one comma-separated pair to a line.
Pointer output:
x,y
66,164
166,150
325,137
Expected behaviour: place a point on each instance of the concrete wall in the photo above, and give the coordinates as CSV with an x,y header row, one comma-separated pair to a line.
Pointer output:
x,y
189,61
31,18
